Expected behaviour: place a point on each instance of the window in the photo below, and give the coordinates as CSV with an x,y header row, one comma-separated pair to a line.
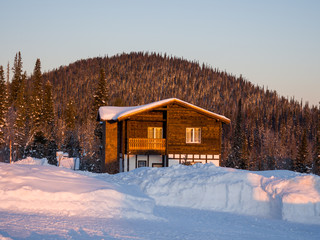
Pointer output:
x,y
193,135
142,164
154,132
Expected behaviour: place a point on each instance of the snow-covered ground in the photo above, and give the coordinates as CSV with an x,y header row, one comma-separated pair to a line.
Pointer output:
x,y
39,201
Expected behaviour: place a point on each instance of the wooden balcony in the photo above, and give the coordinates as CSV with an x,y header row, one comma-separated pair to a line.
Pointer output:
x,y
146,145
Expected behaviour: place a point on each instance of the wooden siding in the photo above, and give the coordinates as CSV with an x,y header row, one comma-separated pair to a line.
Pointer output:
x,y
139,129
111,148
149,116
180,118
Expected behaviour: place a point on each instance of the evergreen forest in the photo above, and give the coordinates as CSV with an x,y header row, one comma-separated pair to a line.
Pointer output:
x,y
56,110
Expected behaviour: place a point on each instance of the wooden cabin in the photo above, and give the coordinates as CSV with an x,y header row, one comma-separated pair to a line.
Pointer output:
x,y
159,134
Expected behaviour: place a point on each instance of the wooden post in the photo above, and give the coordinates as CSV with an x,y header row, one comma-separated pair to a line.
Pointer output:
x,y
123,142
166,160
10,147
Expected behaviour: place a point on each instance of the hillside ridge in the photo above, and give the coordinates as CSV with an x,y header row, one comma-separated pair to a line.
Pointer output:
x,y
272,125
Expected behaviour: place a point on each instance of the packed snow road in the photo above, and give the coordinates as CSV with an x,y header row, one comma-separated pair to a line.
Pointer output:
x,y
178,223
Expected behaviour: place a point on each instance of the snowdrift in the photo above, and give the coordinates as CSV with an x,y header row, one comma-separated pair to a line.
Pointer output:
x,y
272,194
50,190
57,191
32,161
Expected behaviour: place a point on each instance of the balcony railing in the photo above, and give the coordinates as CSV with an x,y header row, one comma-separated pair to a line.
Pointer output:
x,y
158,144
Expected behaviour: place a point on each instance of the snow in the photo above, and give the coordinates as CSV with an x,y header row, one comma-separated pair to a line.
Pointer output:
x,y
114,113
32,161
57,191
294,197
180,202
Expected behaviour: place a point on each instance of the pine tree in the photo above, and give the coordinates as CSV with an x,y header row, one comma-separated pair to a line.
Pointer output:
x,y
101,96
38,147
37,97
48,110
72,144
3,105
71,141
44,144
49,125
20,137
17,78
52,148
300,163
235,158
244,164
255,160
8,76
316,156
70,116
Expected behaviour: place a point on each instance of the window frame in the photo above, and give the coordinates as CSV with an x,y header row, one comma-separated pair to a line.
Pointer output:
x,y
192,135
154,132
142,161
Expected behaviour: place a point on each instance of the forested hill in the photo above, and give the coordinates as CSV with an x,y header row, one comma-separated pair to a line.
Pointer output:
x,y
272,127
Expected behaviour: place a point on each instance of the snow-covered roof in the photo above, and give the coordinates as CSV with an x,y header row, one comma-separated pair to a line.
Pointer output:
x,y
108,113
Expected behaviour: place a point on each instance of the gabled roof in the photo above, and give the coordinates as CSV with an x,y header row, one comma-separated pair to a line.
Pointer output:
x,y
109,113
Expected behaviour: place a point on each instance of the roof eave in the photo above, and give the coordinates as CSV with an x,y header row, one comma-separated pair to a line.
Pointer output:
x,y
123,117
185,104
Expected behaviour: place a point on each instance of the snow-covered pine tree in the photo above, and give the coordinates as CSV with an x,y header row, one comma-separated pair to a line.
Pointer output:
x,y
300,163
37,97
3,106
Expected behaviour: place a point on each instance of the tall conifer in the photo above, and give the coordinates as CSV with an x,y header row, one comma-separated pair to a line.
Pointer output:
x,y
101,98
37,96
3,105
21,118
101,95
70,116
235,158
48,109
300,163
316,156
71,141
17,78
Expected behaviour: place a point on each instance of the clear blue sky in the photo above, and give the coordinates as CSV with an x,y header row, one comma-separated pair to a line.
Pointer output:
x,y
273,43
